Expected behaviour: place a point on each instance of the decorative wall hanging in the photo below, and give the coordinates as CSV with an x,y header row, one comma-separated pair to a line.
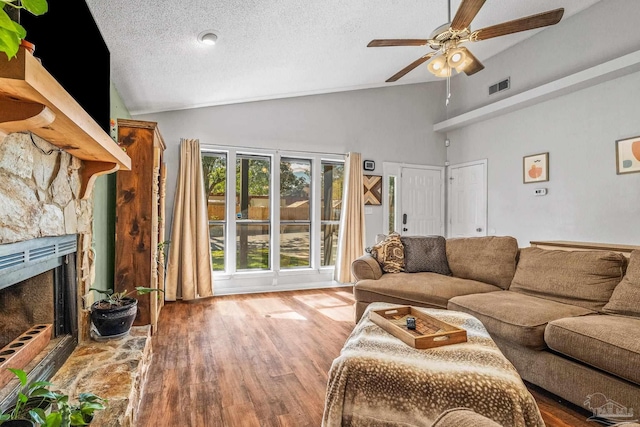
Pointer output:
x,y
535,168
628,155
372,189
368,165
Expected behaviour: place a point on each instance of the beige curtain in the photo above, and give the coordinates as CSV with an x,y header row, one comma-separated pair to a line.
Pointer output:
x,y
189,269
351,236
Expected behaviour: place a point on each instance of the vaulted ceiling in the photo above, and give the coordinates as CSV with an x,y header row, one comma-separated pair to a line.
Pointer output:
x,y
275,49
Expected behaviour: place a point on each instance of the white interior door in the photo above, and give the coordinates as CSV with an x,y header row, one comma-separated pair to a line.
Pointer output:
x,y
468,199
422,202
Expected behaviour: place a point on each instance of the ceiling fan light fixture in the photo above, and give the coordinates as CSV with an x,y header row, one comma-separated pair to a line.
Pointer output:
x,y
438,67
456,57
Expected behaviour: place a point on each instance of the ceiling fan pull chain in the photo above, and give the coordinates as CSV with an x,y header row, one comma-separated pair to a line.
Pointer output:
x,y
448,88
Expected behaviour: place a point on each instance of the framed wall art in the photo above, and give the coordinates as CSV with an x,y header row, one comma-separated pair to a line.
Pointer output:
x,y
628,155
535,168
372,189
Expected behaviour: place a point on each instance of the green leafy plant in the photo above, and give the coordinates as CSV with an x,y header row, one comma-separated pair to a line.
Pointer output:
x,y
118,299
11,32
51,409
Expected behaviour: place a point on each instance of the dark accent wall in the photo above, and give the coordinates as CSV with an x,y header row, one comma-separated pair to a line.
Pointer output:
x,y
72,49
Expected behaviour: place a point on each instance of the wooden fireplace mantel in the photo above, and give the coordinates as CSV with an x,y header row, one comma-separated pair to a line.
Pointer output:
x,y
32,100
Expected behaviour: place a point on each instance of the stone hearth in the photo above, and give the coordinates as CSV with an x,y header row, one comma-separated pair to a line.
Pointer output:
x,y
115,370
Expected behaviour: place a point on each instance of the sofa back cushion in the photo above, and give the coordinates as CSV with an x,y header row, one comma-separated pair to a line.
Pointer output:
x,y
625,299
581,278
425,254
489,259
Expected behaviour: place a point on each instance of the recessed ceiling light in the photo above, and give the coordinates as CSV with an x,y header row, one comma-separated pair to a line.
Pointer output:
x,y
208,37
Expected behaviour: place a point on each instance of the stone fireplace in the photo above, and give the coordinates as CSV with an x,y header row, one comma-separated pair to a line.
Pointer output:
x,y
45,256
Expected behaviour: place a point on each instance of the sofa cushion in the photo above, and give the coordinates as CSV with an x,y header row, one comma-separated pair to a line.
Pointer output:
x,y
486,259
625,299
582,278
389,253
515,317
608,342
423,289
425,254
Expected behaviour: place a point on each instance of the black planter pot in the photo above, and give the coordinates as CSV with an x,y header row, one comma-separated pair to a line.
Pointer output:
x,y
18,423
116,321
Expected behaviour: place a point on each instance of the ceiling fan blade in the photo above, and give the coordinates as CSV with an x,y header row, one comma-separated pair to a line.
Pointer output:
x,y
467,10
544,19
397,42
410,67
474,66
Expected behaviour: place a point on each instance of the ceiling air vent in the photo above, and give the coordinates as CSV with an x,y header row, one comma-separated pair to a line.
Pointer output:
x,y
500,86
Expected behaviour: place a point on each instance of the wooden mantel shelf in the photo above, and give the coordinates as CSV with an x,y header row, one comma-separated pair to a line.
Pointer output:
x,y
32,100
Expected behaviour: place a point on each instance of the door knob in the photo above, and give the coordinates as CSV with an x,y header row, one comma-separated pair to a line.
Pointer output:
x,y
478,229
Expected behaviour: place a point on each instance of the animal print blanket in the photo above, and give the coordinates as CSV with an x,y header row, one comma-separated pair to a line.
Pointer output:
x,y
379,380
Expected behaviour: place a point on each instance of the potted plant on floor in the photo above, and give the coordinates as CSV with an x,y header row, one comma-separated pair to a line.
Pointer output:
x,y
113,315
12,34
37,405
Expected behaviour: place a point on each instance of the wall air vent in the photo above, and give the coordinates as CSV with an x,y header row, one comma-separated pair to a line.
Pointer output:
x,y
500,86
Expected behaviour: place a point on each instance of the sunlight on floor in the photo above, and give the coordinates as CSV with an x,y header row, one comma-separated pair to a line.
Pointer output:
x,y
275,308
334,308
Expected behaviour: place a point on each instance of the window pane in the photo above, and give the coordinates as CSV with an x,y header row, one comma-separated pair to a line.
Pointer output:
x,y
253,179
392,204
331,204
216,240
295,179
214,172
294,245
252,246
328,244
331,190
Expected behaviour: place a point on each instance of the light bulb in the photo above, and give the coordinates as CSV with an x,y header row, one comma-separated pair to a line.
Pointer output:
x,y
438,67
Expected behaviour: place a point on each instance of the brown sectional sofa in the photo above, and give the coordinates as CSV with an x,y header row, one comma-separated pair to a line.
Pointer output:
x,y
549,311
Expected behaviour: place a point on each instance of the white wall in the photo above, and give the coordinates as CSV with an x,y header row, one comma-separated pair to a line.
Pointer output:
x,y
587,200
387,124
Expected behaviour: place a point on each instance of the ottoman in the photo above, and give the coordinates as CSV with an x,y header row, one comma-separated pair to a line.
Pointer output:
x,y
378,380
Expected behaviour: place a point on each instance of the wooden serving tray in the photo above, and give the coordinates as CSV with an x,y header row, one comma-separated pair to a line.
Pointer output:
x,y
429,333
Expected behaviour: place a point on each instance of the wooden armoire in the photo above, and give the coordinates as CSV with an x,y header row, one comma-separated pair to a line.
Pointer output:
x,y
140,204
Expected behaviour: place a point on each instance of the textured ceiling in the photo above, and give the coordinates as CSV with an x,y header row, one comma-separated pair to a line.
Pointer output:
x,y
275,49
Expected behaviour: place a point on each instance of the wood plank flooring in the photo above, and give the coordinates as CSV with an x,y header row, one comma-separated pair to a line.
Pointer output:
x,y
260,360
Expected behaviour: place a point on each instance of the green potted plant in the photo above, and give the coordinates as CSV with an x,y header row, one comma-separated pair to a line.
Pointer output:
x,y
37,405
12,33
114,314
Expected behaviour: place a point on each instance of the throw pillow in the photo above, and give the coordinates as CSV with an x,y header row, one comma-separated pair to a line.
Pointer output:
x,y
625,299
389,253
425,253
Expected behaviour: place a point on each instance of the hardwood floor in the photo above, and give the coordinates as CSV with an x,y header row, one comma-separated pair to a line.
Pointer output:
x,y
259,360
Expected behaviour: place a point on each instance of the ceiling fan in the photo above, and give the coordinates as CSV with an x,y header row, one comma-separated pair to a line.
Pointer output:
x,y
447,40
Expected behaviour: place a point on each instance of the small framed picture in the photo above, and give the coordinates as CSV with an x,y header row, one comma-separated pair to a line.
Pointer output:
x,y
628,155
369,165
372,189
535,168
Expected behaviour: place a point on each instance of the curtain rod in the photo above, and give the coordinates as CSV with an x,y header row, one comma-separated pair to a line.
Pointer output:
x,y
271,149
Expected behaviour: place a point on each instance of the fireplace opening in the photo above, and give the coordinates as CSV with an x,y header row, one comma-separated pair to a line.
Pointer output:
x,y
38,309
